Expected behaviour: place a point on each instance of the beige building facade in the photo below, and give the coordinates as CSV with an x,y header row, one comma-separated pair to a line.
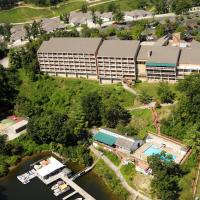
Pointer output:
x,y
112,61
117,61
70,57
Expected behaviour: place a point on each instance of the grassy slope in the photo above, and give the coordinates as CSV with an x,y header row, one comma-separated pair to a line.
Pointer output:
x,y
151,88
142,119
24,14
17,15
111,156
124,5
128,171
187,181
111,180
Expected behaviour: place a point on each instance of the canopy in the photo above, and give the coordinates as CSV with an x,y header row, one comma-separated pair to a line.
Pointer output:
x,y
52,166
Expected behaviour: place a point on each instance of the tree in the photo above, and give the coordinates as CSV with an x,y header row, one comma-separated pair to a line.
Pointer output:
x,y
112,7
65,18
27,27
118,16
198,37
48,127
165,94
144,97
167,172
113,113
99,21
186,114
136,31
161,6
91,105
124,34
160,31
3,139
3,50
181,6
84,8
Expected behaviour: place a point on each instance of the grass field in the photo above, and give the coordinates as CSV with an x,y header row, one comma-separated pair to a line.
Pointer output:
x,y
26,13
128,172
125,5
23,14
142,120
112,157
151,88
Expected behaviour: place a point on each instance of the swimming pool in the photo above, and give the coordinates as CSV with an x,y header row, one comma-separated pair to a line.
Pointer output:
x,y
153,150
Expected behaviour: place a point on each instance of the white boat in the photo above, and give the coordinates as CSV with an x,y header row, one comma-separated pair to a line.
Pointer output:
x,y
26,177
57,185
79,198
61,189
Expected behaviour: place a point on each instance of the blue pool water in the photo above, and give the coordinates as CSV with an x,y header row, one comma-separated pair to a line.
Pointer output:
x,y
153,150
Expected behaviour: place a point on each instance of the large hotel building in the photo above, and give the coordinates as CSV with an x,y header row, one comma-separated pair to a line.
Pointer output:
x,y
112,61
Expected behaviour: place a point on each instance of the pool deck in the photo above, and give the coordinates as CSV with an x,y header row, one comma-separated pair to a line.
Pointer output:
x,y
140,153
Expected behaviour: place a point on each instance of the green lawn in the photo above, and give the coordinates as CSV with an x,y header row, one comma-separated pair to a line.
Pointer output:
x,y
111,180
66,8
111,156
151,88
125,5
128,172
142,121
187,181
23,14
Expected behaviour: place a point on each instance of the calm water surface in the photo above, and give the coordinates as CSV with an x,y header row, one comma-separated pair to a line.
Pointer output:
x,y
12,189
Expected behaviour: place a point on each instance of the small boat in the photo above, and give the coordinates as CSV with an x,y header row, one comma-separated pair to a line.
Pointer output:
x,y
57,185
61,189
79,198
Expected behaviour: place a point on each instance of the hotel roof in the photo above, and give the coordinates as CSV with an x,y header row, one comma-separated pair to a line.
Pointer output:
x,y
70,45
162,55
190,56
118,48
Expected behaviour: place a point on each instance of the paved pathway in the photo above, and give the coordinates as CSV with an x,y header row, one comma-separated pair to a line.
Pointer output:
x,y
134,193
131,90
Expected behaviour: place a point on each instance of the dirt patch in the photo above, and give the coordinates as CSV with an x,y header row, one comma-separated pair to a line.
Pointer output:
x,y
142,183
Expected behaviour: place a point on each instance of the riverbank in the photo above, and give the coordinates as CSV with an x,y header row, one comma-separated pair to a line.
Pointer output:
x,y
12,189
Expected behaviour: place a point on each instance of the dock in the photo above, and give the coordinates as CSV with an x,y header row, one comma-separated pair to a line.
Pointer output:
x,y
77,188
70,195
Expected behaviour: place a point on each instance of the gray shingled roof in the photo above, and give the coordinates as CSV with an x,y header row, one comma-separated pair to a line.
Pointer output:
x,y
126,144
18,32
143,52
79,17
119,48
137,13
160,54
70,45
52,24
190,56
195,44
165,55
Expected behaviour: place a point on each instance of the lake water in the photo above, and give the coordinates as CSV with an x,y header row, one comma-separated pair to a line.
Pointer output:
x,y
12,189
